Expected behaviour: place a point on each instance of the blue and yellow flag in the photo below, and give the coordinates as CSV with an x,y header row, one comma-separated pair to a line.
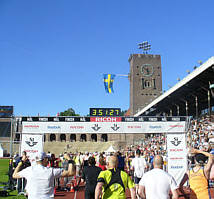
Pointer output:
x,y
108,82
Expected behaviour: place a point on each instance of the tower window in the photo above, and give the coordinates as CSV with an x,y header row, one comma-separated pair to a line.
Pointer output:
x,y
154,84
143,83
147,84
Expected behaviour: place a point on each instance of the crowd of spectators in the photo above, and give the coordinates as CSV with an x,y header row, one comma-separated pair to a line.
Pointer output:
x,y
199,136
201,133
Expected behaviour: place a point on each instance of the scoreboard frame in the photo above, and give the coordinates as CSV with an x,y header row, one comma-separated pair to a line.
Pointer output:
x,y
105,112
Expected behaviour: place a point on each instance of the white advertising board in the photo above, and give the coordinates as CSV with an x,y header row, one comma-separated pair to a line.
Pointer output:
x,y
32,144
103,127
177,155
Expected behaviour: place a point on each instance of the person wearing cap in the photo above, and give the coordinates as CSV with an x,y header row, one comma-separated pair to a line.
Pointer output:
x,y
199,175
40,179
112,183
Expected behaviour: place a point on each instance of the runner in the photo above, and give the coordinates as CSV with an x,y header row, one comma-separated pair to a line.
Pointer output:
x,y
89,176
40,179
156,184
199,175
112,183
138,165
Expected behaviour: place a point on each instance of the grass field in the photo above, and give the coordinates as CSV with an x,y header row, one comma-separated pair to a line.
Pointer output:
x,y
4,163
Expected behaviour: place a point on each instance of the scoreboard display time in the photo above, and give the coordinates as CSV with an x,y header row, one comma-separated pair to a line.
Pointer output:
x,y
105,112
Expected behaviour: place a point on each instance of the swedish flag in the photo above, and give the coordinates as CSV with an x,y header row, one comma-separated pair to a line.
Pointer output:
x,y
108,82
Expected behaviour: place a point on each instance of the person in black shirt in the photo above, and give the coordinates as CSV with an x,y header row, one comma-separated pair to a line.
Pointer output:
x,y
89,176
22,181
121,161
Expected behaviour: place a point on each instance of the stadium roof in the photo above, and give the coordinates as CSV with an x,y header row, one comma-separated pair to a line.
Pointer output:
x,y
196,84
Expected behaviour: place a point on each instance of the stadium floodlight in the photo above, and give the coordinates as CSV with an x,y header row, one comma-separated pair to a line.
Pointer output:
x,y
145,46
200,62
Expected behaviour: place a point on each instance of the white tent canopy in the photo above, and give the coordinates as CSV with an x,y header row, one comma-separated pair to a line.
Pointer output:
x,y
1,151
110,149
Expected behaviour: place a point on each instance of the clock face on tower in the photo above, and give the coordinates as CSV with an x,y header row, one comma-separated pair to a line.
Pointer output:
x,y
147,70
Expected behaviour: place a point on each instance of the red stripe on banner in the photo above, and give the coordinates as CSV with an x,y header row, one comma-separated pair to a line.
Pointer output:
x,y
105,119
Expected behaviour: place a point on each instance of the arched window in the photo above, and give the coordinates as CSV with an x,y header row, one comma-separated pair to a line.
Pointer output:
x,y
73,138
94,137
63,137
104,138
52,137
83,138
147,84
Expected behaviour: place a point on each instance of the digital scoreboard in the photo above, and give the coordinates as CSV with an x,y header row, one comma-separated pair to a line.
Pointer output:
x,y
6,111
105,112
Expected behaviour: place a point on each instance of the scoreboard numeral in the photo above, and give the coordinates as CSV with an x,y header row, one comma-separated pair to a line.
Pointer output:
x,y
100,112
94,112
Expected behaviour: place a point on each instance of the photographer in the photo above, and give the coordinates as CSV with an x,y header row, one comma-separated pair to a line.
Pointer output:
x,y
40,179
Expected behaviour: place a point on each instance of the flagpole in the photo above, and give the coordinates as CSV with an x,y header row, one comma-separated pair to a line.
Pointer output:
x,y
121,75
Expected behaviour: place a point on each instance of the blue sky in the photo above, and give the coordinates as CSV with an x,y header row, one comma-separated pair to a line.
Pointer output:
x,y
53,53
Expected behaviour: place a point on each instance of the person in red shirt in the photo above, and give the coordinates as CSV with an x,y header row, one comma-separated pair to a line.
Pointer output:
x,y
102,163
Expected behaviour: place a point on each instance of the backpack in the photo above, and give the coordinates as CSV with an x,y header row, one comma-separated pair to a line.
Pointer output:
x,y
115,179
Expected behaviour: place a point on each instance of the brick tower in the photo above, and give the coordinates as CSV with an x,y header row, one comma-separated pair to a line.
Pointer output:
x,y
145,80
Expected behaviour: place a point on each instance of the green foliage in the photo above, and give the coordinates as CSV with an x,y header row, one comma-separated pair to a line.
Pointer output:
x,y
69,112
123,112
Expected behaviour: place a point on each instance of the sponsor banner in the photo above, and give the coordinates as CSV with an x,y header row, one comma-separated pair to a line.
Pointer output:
x,y
103,127
105,119
177,155
88,119
32,144
33,127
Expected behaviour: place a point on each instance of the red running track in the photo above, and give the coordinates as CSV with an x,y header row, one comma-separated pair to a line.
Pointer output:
x,y
80,194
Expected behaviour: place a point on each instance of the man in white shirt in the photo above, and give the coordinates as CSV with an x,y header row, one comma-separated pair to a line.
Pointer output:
x,y
40,179
156,184
138,165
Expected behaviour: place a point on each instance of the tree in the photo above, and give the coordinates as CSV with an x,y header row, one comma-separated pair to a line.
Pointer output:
x,y
123,112
68,112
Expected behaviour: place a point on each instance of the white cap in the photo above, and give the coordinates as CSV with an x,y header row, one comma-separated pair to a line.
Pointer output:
x,y
40,156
